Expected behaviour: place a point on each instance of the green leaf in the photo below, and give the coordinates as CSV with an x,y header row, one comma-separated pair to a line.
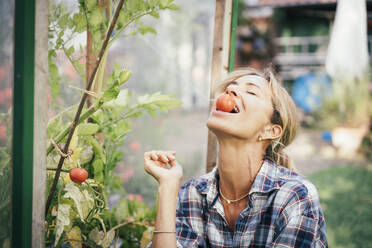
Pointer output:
x,y
88,128
95,18
97,148
132,5
90,4
155,14
173,7
123,18
152,3
96,235
89,201
97,166
143,29
86,155
53,70
82,200
63,21
163,3
107,240
99,177
121,128
54,89
63,219
70,50
124,76
110,93
51,54
75,235
97,37
109,80
80,22
74,194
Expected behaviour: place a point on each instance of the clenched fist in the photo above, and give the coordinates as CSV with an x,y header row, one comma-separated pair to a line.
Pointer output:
x,y
156,164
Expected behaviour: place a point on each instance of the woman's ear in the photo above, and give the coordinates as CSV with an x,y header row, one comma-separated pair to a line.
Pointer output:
x,y
273,131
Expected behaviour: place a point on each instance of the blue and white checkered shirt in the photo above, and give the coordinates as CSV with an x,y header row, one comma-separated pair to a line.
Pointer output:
x,y
283,211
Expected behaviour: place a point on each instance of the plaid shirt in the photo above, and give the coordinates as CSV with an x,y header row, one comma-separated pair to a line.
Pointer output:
x,y
283,211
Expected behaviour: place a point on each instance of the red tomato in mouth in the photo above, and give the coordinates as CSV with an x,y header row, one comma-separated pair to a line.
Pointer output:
x,y
78,175
225,103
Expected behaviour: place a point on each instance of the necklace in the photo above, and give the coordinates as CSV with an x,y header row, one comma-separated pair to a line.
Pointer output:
x,y
231,201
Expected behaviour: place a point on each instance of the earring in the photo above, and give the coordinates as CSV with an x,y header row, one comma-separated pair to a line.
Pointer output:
x,y
260,138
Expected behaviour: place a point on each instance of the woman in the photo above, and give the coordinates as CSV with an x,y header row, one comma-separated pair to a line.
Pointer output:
x,y
252,198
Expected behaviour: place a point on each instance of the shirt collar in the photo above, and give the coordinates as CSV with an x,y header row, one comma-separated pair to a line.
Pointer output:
x,y
265,181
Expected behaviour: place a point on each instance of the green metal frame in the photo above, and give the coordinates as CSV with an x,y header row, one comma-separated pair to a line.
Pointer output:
x,y
234,24
23,122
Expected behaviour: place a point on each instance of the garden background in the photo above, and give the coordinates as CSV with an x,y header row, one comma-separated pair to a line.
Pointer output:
x,y
170,51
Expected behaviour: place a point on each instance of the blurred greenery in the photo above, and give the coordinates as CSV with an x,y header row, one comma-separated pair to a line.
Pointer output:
x,y
158,129
346,198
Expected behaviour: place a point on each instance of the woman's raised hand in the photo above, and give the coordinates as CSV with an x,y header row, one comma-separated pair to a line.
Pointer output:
x,y
156,164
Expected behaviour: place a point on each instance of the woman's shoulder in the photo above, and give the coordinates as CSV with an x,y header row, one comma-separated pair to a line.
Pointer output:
x,y
296,183
296,191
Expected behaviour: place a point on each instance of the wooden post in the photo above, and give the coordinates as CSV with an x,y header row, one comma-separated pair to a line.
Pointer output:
x,y
91,56
40,121
220,63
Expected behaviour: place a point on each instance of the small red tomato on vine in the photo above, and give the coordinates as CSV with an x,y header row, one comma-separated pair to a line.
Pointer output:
x,y
225,103
78,175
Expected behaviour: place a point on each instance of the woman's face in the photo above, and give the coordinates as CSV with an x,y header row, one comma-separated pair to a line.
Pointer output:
x,y
252,96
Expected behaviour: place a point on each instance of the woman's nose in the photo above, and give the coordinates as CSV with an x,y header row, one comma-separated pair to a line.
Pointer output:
x,y
231,91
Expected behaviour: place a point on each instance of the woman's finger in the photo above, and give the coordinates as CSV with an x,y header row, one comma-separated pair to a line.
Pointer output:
x,y
150,155
170,157
173,163
147,155
154,156
163,157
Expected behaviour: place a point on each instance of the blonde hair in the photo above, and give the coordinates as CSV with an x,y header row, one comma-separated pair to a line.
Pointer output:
x,y
284,113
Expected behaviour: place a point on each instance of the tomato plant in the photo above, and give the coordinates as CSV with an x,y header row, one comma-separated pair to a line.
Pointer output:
x,y
225,103
80,214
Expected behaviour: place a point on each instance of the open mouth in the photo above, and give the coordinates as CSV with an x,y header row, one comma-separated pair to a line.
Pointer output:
x,y
235,109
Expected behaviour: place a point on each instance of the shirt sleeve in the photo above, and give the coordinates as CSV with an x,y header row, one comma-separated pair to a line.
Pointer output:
x,y
302,223
189,221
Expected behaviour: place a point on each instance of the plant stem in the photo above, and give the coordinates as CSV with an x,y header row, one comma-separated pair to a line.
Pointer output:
x,y
55,169
126,223
81,105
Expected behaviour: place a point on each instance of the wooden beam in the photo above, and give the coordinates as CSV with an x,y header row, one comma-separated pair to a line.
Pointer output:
x,y
40,121
220,63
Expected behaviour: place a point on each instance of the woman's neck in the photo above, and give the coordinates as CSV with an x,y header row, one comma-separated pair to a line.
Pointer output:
x,y
238,165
